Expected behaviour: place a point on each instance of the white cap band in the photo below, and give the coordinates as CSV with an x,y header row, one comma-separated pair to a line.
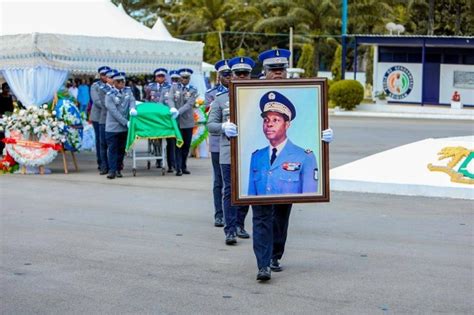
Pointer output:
x,y
275,60
223,68
241,66
277,107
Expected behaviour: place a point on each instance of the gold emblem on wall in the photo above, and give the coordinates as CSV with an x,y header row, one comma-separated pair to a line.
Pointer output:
x,y
459,156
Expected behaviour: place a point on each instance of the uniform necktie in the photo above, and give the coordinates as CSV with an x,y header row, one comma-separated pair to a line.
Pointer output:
x,y
274,156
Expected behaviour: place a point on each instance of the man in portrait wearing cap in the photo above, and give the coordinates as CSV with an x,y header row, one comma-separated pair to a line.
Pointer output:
x,y
181,101
158,92
224,74
218,123
281,167
98,99
120,103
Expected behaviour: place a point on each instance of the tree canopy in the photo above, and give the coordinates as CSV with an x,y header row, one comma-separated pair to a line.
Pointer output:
x,y
251,26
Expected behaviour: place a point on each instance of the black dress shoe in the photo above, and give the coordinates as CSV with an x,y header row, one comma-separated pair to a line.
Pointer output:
x,y
242,233
275,265
230,239
119,174
186,172
158,164
179,173
104,172
264,274
219,222
111,176
170,170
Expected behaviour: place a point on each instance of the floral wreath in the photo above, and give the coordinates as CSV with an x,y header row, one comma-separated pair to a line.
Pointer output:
x,y
33,136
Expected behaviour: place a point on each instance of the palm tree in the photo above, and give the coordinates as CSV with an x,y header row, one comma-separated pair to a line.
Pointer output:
x,y
205,16
307,17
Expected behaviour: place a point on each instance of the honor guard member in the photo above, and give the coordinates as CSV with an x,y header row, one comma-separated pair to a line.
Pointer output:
x,y
181,100
270,222
224,75
218,123
158,92
104,169
119,103
97,105
281,167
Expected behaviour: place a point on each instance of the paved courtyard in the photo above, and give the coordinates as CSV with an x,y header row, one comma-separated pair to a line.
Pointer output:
x,y
81,244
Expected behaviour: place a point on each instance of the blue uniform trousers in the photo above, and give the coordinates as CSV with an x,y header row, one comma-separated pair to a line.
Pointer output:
x,y
116,142
183,152
95,124
170,148
270,228
217,185
262,234
103,148
281,217
233,215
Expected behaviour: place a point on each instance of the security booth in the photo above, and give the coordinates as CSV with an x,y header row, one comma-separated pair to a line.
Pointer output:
x,y
422,69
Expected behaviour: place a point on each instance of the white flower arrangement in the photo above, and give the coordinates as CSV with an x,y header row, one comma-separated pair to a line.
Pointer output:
x,y
35,121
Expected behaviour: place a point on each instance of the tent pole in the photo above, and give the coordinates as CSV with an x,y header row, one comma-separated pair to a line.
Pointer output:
x,y
222,45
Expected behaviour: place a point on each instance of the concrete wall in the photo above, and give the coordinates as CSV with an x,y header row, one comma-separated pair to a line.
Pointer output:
x,y
446,84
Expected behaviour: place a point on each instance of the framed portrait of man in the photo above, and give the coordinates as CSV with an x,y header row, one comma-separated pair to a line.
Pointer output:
x,y
278,155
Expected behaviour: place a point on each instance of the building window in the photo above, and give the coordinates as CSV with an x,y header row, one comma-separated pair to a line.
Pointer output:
x,y
415,58
451,58
400,57
434,58
468,59
385,57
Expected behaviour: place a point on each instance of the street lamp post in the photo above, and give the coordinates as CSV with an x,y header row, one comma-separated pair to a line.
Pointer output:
x,y
344,34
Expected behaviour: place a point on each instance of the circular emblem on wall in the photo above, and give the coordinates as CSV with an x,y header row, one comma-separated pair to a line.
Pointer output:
x,y
398,82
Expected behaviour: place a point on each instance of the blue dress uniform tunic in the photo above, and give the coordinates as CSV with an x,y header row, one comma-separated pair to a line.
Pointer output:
x,y
293,172
157,93
211,94
118,103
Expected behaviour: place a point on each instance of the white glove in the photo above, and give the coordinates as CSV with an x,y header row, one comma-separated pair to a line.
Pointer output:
x,y
133,112
328,135
174,113
128,124
230,129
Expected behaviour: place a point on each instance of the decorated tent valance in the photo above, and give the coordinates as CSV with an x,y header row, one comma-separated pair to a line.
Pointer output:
x,y
84,54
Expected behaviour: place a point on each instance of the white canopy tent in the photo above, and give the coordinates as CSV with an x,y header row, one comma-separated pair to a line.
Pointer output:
x,y
41,42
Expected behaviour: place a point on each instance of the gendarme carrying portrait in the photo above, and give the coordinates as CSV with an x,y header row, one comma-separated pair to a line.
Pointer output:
x,y
279,155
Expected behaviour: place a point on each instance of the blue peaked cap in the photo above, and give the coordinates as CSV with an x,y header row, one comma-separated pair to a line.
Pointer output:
x,y
241,63
174,74
119,76
275,58
222,65
111,73
158,71
274,101
103,69
185,72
